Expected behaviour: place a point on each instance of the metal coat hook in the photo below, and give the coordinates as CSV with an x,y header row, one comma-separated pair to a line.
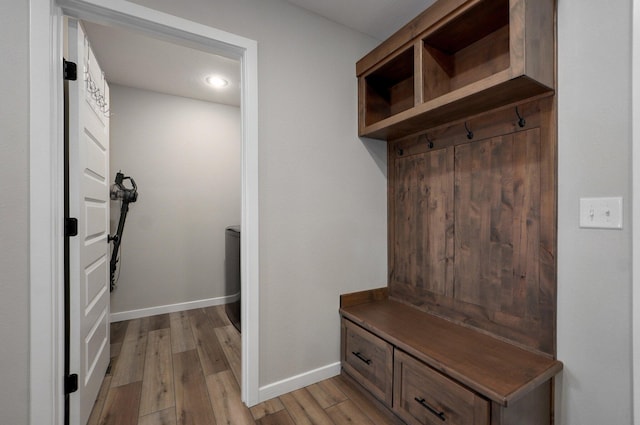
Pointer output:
x,y
429,141
469,132
521,121
400,152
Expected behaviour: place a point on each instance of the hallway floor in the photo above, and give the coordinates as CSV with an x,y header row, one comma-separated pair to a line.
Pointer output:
x,y
184,368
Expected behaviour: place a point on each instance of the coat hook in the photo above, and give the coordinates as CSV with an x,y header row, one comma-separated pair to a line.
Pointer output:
x,y
521,121
429,142
400,152
469,132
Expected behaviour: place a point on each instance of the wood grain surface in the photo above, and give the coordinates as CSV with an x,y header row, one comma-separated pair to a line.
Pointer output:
x,y
495,369
173,387
474,240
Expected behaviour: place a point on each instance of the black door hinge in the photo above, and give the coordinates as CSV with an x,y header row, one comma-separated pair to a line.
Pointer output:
x,y
69,70
71,384
70,226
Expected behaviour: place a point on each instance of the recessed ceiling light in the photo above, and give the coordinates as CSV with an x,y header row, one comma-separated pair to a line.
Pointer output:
x,y
217,82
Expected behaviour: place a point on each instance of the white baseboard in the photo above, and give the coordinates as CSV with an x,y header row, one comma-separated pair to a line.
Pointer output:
x,y
299,381
266,392
172,308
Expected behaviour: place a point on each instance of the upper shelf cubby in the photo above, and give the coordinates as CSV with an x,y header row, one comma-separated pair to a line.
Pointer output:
x,y
458,58
390,88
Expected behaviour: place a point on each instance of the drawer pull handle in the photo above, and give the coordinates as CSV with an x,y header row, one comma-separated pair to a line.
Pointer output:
x,y
424,404
361,357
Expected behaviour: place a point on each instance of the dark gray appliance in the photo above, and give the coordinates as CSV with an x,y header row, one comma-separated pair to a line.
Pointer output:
x,y
232,273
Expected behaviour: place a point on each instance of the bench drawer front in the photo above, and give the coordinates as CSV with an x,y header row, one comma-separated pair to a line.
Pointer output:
x,y
423,396
369,360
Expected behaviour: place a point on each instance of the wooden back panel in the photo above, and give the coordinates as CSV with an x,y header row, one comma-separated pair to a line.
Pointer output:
x,y
424,221
472,225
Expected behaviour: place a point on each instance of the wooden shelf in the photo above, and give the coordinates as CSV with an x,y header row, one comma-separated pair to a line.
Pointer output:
x,y
390,88
499,371
469,48
456,59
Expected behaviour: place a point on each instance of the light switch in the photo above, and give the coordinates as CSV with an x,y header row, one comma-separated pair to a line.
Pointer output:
x,y
601,213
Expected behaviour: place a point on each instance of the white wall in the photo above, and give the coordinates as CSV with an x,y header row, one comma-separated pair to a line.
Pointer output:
x,y
594,266
184,155
322,190
14,213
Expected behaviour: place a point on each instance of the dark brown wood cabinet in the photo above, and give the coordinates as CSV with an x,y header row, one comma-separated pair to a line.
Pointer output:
x,y
465,329
425,397
457,59
469,376
369,360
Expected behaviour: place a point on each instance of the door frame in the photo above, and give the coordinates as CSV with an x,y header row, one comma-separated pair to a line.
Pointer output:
x,y
635,214
46,166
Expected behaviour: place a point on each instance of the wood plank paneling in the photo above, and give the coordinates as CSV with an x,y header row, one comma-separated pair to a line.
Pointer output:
x,y
193,406
502,231
497,240
157,387
497,219
423,225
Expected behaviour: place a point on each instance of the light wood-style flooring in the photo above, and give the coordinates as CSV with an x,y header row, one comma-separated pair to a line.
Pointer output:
x,y
184,368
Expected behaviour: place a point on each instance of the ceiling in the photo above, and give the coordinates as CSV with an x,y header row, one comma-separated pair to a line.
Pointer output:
x,y
135,60
377,18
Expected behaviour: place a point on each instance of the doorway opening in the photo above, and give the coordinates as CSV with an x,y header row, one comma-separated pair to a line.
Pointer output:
x,y
181,140
46,215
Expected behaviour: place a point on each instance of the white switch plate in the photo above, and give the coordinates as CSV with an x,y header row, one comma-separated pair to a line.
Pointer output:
x,y
601,213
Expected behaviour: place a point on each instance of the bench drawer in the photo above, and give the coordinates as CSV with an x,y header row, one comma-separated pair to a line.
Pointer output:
x,y
423,396
369,360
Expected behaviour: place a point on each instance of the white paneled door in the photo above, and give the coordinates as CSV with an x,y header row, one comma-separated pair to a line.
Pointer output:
x,y
89,203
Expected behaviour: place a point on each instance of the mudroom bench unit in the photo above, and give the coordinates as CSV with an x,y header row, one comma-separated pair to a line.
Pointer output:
x,y
465,331
428,370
